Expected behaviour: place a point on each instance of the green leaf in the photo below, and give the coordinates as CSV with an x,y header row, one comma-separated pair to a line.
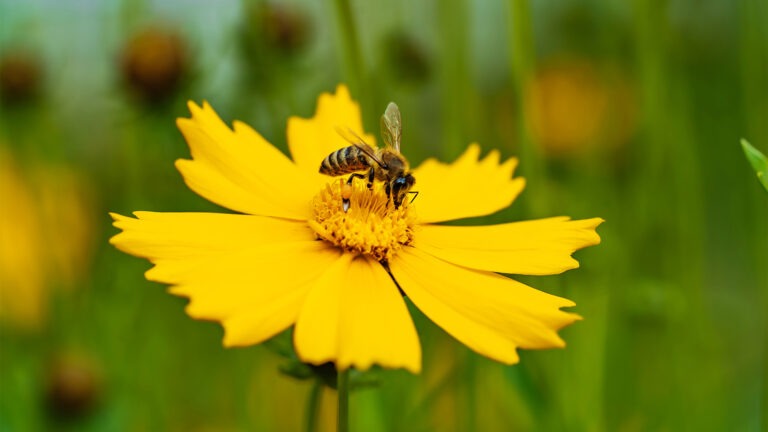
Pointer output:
x,y
758,161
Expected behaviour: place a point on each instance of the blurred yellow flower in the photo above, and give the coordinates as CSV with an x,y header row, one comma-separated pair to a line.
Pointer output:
x,y
36,254
572,107
294,257
21,275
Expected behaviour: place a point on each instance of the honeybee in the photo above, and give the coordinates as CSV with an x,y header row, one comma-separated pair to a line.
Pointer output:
x,y
386,165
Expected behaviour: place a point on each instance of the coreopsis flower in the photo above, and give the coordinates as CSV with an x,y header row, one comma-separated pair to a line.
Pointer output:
x,y
22,280
573,108
294,257
36,256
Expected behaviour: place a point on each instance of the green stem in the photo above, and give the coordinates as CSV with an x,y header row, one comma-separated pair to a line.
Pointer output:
x,y
754,60
454,80
343,391
354,70
313,405
523,57
521,44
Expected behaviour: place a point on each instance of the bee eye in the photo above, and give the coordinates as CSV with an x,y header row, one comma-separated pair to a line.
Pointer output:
x,y
401,183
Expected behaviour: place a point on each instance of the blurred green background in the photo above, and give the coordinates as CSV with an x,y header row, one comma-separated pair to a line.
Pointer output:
x,y
627,110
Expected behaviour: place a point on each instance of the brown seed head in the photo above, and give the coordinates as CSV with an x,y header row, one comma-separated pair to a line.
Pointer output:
x,y
154,64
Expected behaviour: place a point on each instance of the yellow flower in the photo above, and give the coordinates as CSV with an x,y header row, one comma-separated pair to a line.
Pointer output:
x,y
573,107
22,282
36,255
294,257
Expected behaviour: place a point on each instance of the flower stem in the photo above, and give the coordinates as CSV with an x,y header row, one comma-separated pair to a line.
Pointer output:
x,y
523,59
350,45
454,76
313,405
343,391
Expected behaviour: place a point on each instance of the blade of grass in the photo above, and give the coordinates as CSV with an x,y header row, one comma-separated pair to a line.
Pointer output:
x,y
758,161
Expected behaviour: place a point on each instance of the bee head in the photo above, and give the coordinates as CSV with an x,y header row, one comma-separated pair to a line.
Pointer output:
x,y
403,182
400,187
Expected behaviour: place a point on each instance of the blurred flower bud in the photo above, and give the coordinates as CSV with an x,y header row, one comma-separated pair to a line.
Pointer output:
x,y
20,77
280,28
406,58
73,386
155,64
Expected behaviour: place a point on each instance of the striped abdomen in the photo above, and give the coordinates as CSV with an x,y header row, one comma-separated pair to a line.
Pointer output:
x,y
344,161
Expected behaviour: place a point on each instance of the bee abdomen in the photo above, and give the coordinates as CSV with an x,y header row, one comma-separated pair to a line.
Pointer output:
x,y
344,161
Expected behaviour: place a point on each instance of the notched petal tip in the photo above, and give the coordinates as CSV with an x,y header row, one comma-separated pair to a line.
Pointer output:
x,y
532,247
117,217
596,222
236,168
511,164
192,105
185,124
195,111
471,154
484,185
120,222
567,319
230,339
343,91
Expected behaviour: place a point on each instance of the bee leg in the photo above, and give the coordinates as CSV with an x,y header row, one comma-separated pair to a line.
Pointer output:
x,y
397,200
354,176
345,196
371,172
388,191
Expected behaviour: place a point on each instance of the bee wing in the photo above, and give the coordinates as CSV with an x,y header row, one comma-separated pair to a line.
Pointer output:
x,y
392,126
354,139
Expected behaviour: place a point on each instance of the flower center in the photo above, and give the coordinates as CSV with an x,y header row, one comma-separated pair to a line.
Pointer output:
x,y
371,226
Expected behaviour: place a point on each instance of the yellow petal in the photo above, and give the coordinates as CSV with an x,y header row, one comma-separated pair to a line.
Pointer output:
x,y
537,247
356,317
240,170
181,236
489,313
311,140
239,270
466,188
257,293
